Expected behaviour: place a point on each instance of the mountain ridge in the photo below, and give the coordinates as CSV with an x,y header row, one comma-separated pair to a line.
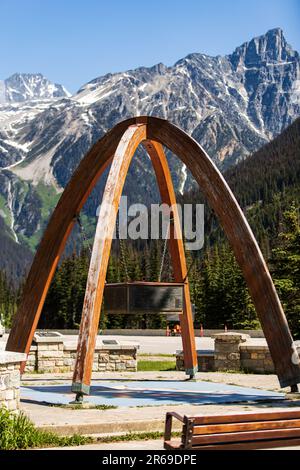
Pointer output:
x,y
21,87
232,105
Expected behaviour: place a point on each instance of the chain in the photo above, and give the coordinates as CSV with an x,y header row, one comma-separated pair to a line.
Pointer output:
x,y
190,268
86,241
164,252
194,259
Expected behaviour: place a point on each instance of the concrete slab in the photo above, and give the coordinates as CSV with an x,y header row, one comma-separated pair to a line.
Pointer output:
x,y
127,445
136,445
125,419
149,393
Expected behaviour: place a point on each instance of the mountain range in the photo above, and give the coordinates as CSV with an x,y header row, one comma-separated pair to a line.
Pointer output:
x,y
231,105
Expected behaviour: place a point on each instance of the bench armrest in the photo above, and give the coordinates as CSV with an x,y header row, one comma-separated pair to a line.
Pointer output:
x,y
168,423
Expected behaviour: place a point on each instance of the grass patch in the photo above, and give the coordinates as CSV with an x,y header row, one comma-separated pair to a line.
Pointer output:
x,y
156,366
35,372
18,432
5,211
232,371
136,436
84,406
49,197
156,355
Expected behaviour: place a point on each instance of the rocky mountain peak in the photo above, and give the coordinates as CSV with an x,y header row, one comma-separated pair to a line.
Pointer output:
x,y
271,47
21,87
231,105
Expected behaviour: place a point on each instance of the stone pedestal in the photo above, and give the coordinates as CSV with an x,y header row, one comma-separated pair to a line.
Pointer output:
x,y
49,352
10,379
227,351
206,361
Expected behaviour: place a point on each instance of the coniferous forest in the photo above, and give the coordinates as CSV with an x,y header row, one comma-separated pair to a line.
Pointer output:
x,y
267,186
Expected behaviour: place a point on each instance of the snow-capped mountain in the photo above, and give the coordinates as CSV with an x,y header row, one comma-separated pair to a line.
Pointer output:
x,y
22,98
29,86
232,105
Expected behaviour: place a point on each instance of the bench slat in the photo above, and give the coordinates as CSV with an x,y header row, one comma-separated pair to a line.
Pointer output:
x,y
246,436
243,431
268,444
249,426
246,417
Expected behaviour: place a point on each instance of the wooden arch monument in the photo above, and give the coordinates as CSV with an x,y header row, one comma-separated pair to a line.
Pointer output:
x,y
118,147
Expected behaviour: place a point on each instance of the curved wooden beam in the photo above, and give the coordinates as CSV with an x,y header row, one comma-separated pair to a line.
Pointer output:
x,y
102,247
176,247
221,200
55,237
243,242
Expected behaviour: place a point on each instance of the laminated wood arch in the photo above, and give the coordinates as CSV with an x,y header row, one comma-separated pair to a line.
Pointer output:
x,y
221,200
133,136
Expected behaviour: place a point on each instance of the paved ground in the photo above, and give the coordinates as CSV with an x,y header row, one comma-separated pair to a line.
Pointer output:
x,y
131,445
104,422
149,393
135,445
122,420
147,418
260,381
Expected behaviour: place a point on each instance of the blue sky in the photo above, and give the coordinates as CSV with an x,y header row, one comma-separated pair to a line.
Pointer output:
x,y
74,41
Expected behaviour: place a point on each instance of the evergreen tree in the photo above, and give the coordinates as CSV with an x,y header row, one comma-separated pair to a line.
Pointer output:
x,y
286,268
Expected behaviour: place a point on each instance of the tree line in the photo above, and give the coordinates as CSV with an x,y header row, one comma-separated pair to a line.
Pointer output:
x,y
267,186
9,299
217,285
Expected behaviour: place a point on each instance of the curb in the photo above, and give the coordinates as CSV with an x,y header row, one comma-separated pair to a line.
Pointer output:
x,y
108,428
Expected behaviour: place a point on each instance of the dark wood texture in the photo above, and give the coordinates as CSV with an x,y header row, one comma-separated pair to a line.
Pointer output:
x,y
221,200
245,431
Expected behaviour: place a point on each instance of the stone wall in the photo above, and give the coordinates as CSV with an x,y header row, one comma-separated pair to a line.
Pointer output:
x,y
54,355
106,358
255,358
31,365
233,352
206,361
10,379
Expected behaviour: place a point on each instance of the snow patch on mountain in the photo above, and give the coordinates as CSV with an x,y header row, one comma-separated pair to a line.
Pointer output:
x,y
38,170
26,86
231,105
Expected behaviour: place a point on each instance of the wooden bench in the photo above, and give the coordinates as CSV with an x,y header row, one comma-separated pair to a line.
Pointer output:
x,y
258,430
